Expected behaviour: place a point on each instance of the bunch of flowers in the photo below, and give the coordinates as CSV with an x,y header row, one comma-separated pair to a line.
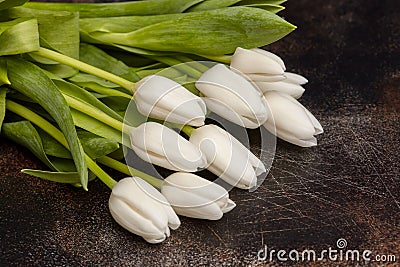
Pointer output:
x,y
67,102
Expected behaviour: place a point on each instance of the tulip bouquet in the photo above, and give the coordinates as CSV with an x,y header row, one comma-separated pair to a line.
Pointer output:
x,y
82,83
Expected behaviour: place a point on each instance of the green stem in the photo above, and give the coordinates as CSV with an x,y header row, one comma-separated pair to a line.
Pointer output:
x,y
63,59
103,90
187,130
185,68
197,65
223,59
116,165
59,136
94,112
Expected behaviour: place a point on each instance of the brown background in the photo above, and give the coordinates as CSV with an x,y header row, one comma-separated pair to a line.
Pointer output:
x,y
347,187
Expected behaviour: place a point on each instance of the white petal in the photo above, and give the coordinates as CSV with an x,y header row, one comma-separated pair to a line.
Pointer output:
x,y
271,56
198,186
250,61
228,158
125,216
173,219
162,98
291,89
295,78
221,85
160,145
257,77
290,116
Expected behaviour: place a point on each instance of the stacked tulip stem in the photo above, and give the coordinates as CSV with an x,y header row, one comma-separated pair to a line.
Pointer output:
x,y
81,82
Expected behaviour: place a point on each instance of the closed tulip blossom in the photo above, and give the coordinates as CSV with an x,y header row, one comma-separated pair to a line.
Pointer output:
x,y
232,97
193,196
291,121
291,85
227,157
258,65
141,209
161,98
159,145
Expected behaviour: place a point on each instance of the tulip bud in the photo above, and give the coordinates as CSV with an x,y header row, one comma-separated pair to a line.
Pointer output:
x,y
159,145
231,96
291,85
142,210
161,98
195,197
293,122
259,65
227,157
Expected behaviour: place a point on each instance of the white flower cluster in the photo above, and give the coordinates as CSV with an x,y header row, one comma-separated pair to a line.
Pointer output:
x,y
254,91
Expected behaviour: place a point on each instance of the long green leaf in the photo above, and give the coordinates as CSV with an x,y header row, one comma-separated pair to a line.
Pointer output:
x,y
142,8
58,177
6,4
3,72
59,30
212,4
3,92
98,58
214,32
96,146
52,147
30,80
23,133
19,36
94,126
80,93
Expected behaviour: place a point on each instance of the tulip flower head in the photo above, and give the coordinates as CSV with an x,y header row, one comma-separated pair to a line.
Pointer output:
x,y
227,157
159,145
258,65
195,197
161,98
291,85
141,209
291,121
232,97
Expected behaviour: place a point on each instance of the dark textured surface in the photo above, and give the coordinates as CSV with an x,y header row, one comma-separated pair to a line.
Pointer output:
x,y
347,187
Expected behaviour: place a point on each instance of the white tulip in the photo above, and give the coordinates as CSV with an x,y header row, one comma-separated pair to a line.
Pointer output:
x,y
232,97
291,85
195,197
293,122
142,210
159,145
227,157
258,65
161,98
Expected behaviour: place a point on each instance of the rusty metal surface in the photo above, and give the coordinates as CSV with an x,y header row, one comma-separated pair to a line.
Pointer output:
x,y
347,187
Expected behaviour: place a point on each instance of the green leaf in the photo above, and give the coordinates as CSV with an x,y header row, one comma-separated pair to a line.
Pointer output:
x,y
268,7
25,134
142,8
6,4
96,146
52,147
214,32
98,58
3,72
59,30
212,4
3,92
80,93
58,177
31,81
88,78
19,36
94,126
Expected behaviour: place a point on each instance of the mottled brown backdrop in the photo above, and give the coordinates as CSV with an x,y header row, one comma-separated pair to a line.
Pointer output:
x,y
347,187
